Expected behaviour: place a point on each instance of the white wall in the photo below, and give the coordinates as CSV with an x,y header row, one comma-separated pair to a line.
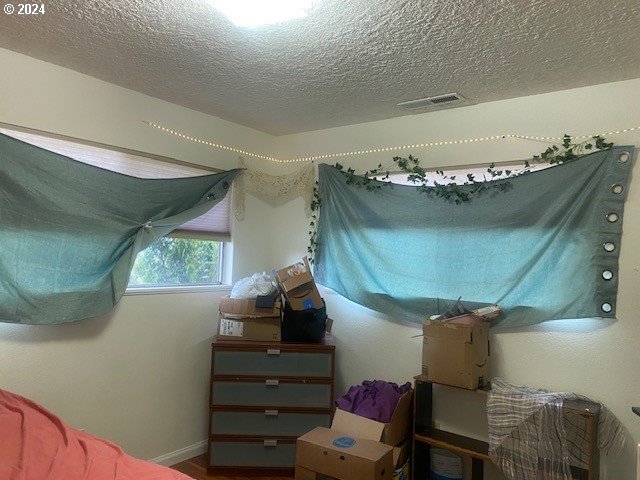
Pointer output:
x,y
593,357
138,376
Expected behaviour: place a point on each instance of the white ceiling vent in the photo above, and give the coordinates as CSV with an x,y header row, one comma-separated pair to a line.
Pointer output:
x,y
446,99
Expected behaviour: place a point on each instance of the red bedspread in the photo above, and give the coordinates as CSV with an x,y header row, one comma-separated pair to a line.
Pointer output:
x,y
37,445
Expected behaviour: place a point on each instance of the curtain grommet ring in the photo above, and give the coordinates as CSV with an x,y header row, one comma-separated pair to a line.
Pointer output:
x,y
211,196
617,189
606,307
624,157
147,225
612,217
609,246
225,185
607,274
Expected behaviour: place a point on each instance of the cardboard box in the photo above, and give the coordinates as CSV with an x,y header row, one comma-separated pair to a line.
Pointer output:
x,y
393,433
400,454
325,452
298,286
241,320
246,308
402,472
456,355
306,474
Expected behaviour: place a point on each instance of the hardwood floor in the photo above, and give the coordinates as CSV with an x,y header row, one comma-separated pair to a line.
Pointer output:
x,y
197,468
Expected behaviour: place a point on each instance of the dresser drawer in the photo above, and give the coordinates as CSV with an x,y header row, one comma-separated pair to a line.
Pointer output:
x,y
272,362
267,453
271,393
267,423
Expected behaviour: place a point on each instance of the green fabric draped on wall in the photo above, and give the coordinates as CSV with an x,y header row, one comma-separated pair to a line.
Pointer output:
x,y
546,249
70,232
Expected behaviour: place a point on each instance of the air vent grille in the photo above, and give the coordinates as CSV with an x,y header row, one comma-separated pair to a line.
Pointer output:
x,y
447,98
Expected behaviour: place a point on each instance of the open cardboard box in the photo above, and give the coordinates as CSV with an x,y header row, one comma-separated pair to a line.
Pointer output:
x,y
456,355
298,286
355,447
400,454
393,433
240,319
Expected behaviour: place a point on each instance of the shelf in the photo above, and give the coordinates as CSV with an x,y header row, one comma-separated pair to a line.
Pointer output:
x,y
470,447
584,408
484,390
454,443
476,452
581,407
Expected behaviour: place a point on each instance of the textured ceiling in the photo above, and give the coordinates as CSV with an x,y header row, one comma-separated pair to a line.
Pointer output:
x,y
349,61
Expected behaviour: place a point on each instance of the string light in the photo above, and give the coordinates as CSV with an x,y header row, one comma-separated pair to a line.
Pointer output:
x,y
211,144
380,149
578,137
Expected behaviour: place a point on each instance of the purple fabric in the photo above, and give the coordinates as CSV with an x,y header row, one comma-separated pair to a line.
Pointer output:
x,y
375,399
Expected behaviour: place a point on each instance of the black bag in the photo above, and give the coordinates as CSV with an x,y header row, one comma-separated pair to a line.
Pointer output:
x,y
304,326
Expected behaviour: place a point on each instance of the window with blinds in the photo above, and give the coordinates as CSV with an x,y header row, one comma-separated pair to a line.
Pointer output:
x,y
214,225
194,254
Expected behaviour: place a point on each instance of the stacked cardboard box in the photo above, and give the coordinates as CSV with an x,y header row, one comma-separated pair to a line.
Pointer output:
x,y
240,319
356,448
457,352
298,286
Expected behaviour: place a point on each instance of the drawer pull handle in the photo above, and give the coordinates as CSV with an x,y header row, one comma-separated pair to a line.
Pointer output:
x,y
272,383
271,413
270,443
273,351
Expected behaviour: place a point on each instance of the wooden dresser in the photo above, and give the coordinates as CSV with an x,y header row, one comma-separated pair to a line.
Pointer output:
x,y
263,396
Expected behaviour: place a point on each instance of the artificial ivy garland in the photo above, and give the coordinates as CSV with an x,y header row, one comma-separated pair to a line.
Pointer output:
x,y
375,179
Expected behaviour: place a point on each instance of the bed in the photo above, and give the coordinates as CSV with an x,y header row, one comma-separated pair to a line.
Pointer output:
x,y
36,445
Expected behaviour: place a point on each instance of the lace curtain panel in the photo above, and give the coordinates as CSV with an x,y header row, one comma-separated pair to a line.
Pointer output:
x,y
299,183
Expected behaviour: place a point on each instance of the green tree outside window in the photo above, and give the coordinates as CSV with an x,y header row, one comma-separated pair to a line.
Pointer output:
x,y
177,261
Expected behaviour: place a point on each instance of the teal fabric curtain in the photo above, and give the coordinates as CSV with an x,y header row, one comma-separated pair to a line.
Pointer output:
x,y
70,232
546,249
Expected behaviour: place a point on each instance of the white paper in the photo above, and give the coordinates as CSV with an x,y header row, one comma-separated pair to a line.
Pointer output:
x,y
231,328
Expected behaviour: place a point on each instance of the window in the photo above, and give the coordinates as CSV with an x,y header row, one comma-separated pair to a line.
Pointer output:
x,y
178,261
190,256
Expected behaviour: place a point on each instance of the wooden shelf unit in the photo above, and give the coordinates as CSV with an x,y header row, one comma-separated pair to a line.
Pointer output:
x,y
464,446
475,452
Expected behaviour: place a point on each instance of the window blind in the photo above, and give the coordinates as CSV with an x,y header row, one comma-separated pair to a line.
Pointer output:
x,y
214,225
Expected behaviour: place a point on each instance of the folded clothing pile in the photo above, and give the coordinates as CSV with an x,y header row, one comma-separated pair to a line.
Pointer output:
x,y
375,399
